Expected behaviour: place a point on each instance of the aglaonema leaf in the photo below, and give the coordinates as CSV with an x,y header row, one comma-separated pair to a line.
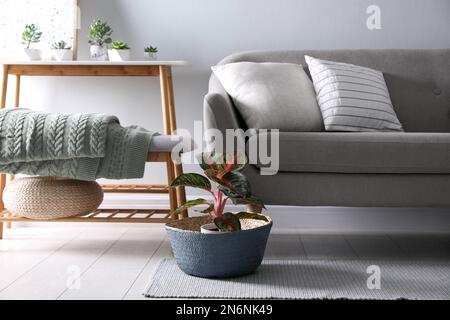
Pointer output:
x,y
192,203
250,215
208,161
228,222
248,200
192,180
209,209
235,183
220,164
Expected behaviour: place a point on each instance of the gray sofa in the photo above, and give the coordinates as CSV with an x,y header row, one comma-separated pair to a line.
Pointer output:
x,y
410,169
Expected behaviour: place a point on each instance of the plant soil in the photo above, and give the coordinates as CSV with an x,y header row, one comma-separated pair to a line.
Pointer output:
x,y
195,223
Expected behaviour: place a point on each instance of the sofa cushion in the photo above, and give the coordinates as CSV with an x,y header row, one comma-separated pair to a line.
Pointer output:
x,y
352,98
418,80
375,152
272,95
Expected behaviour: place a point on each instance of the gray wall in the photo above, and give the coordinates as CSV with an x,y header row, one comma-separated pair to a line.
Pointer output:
x,y
204,31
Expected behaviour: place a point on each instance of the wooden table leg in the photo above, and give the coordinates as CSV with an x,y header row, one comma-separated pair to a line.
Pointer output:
x,y
167,130
181,192
4,86
2,206
8,225
165,100
172,192
170,124
4,91
8,179
17,96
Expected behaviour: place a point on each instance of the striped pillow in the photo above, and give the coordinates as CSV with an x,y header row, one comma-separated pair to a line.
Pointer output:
x,y
352,98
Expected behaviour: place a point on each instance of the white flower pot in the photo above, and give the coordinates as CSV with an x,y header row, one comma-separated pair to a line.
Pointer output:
x,y
119,55
31,54
150,56
99,53
210,228
62,54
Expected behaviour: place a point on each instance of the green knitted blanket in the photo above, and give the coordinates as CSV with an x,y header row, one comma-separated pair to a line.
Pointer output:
x,y
78,146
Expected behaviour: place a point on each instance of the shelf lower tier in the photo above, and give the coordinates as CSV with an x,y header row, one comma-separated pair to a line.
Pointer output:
x,y
105,215
135,188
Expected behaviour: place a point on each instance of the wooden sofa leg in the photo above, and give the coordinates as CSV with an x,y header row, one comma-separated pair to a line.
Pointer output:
x,y
1,230
254,209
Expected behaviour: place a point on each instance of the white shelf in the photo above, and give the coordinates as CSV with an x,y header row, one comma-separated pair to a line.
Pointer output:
x,y
174,63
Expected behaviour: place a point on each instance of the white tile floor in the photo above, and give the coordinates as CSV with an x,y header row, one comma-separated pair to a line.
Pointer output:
x,y
116,261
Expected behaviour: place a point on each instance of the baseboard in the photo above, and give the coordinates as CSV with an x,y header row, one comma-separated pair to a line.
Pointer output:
x,y
325,219
318,220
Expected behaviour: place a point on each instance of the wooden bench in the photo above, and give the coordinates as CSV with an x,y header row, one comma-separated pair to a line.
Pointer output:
x,y
161,69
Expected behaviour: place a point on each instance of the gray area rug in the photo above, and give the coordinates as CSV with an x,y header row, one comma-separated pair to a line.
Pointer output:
x,y
310,279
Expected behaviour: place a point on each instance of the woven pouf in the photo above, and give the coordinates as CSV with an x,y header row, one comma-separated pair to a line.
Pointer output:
x,y
45,198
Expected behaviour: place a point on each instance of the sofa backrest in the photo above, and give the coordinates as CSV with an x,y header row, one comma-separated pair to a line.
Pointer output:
x,y
418,80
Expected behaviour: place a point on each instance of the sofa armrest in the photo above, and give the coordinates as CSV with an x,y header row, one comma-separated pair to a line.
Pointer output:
x,y
219,111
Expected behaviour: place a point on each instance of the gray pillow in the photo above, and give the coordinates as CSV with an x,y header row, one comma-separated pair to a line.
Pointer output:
x,y
352,98
272,95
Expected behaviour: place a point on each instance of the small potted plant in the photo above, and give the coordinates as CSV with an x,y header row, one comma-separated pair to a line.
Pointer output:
x,y
99,37
220,244
30,35
61,51
150,53
120,51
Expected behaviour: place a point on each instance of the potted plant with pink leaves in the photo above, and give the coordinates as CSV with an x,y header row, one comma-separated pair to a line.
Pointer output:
x,y
220,244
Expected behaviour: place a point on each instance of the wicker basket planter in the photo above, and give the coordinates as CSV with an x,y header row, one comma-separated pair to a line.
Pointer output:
x,y
221,255
45,198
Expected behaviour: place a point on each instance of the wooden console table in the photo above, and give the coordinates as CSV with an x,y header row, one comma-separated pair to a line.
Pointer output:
x,y
161,69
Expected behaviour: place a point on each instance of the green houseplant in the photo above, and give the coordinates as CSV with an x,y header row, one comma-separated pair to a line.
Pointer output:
x,y
99,38
120,45
31,34
60,45
120,51
61,51
237,246
150,53
225,172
